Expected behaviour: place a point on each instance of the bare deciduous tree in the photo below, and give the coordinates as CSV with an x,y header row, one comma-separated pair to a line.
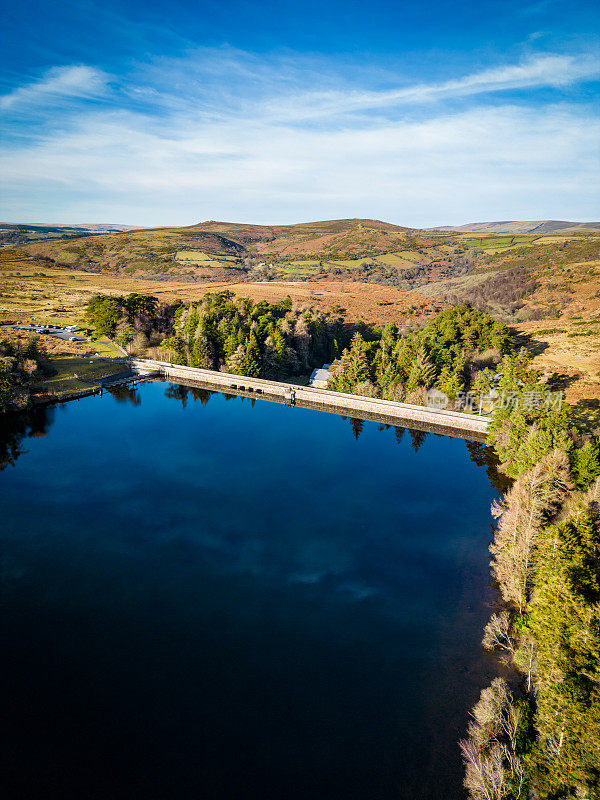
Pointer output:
x,y
496,635
534,497
485,775
488,715
493,770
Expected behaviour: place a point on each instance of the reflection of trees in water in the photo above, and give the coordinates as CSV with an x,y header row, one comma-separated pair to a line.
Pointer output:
x,y
181,392
177,391
124,395
14,428
242,398
484,456
417,438
357,426
479,453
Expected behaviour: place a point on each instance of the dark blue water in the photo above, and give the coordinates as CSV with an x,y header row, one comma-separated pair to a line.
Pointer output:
x,y
204,599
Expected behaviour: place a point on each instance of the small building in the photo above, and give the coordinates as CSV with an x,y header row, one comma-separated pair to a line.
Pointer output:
x,y
437,399
319,377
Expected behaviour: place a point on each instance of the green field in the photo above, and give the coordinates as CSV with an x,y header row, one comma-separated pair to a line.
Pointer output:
x,y
76,374
499,244
303,266
192,256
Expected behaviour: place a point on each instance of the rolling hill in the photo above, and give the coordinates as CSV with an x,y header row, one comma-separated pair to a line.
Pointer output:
x,y
535,226
219,249
368,251
19,233
545,284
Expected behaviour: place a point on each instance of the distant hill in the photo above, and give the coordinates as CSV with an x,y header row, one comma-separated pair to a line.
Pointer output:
x,y
299,232
516,226
225,250
22,232
500,265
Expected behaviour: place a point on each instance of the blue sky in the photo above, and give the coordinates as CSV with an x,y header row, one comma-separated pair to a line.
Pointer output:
x,y
432,113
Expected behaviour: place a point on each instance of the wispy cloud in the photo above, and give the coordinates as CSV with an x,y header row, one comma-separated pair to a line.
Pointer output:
x,y
536,72
226,135
58,83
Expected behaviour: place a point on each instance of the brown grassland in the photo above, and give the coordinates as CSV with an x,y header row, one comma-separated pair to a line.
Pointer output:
x,y
32,290
570,344
410,275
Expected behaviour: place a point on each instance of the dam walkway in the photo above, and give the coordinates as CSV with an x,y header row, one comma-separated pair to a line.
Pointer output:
x,y
433,420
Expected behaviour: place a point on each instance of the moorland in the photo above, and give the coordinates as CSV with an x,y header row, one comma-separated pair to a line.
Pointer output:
x,y
544,284
398,311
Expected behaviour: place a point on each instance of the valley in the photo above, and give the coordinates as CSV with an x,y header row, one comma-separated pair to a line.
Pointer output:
x,y
545,285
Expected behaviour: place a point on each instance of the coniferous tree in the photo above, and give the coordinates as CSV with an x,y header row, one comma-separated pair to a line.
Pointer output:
x,y
230,345
422,372
565,620
199,353
358,364
252,362
586,464
235,360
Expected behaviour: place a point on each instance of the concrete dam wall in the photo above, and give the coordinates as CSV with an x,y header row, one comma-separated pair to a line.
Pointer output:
x,y
452,423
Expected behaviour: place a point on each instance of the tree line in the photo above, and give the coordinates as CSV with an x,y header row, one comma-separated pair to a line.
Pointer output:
x,y
447,353
262,340
20,365
542,740
275,340
138,318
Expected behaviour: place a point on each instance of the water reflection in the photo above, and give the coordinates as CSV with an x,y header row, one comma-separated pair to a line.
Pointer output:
x,y
418,439
483,456
15,428
176,391
239,585
357,426
123,394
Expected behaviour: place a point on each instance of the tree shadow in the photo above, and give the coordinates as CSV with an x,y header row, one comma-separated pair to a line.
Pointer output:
x,y
533,346
587,415
559,381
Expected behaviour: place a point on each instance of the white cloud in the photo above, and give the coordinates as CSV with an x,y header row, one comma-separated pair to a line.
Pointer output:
x,y
273,151
416,173
60,82
537,72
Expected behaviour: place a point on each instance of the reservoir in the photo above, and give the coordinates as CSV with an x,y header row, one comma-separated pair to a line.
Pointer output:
x,y
208,597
